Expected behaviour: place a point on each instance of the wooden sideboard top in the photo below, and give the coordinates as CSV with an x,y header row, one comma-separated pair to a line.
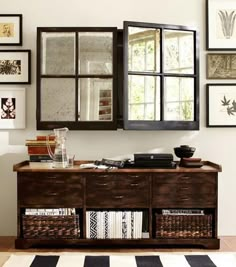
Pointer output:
x,y
208,166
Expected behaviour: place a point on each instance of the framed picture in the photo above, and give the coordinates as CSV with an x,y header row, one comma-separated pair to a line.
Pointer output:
x,y
12,103
221,105
15,66
221,28
221,66
10,29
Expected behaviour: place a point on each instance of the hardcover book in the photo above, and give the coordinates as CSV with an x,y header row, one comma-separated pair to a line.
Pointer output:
x,y
42,150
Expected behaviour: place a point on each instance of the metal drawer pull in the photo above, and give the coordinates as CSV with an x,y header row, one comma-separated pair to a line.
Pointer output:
x,y
52,177
118,197
59,182
135,176
52,194
185,177
184,188
101,184
134,184
184,198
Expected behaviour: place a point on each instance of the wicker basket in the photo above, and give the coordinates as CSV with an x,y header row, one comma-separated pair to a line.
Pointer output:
x,y
183,226
50,227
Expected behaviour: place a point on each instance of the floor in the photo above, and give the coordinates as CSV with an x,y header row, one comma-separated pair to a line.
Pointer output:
x,y
227,244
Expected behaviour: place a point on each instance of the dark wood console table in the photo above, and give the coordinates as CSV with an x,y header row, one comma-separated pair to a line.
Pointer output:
x,y
148,190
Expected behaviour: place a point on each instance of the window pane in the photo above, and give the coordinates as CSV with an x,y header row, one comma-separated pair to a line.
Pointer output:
x,y
178,52
58,53
179,99
144,49
95,99
143,97
95,52
58,99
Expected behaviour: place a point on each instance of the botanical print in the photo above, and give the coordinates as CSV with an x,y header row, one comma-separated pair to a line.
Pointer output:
x,y
221,66
227,22
10,67
8,108
6,29
221,105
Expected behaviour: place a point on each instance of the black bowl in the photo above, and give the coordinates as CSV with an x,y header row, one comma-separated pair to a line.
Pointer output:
x,y
184,151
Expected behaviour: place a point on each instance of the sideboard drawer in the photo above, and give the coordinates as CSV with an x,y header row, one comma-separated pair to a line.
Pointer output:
x,y
117,191
186,177
184,195
100,182
184,189
50,189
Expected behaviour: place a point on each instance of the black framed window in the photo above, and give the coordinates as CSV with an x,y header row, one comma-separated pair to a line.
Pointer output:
x,y
161,77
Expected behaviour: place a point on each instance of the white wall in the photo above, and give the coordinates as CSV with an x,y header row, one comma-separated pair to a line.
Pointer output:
x,y
216,145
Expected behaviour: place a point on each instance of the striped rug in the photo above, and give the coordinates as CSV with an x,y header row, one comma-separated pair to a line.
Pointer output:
x,y
162,260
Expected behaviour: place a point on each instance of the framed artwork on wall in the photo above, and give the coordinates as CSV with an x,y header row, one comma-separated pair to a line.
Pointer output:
x,y
12,103
10,29
15,66
221,105
221,28
221,66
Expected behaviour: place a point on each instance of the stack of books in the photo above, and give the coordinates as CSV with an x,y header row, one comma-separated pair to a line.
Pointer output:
x,y
183,212
114,224
38,151
51,212
191,162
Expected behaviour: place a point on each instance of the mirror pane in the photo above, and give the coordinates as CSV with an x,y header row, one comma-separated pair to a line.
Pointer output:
x,y
95,52
178,51
58,53
144,49
143,97
179,99
95,99
57,99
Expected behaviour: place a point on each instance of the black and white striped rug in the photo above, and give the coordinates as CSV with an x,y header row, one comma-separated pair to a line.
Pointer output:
x,y
162,260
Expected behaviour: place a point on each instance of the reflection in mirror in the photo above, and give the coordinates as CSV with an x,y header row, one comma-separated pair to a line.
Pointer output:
x,y
95,52
58,53
179,99
144,49
57,99
178,51
95,99
161,77
143,97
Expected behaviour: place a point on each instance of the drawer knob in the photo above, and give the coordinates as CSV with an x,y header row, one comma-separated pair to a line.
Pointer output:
x,y
118,197
134,184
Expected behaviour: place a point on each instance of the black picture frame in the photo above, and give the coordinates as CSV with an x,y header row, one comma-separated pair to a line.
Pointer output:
x,y
12,108
10,29
221,105
15,66
220,25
